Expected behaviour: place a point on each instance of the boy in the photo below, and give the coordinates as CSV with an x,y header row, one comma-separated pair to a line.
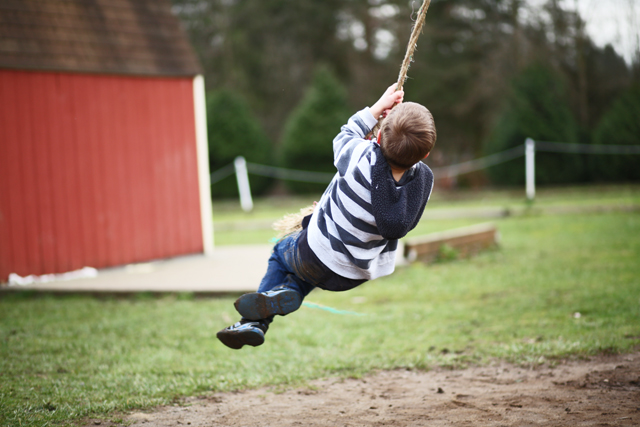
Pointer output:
x,y
377,197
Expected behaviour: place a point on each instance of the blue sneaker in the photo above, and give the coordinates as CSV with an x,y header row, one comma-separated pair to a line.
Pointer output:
x,y
244,332
262,305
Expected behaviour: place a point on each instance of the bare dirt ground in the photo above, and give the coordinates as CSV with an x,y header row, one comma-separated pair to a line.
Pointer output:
x,y
602,391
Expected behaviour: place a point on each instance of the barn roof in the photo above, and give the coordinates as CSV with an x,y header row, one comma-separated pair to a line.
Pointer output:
x,y
100,36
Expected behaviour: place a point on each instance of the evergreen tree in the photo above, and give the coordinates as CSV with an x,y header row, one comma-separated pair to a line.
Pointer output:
x,y
620,125
537,109
232,132
469,53
309,131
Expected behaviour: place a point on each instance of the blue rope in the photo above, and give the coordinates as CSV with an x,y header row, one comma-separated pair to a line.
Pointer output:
x,y
331,310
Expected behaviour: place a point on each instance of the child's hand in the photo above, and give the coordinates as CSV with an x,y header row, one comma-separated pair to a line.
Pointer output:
x,y
390,98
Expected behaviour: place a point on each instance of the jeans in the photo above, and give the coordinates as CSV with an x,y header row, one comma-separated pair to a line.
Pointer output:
x,y
287,268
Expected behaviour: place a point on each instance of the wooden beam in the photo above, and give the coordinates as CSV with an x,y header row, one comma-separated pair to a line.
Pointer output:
x,y
467,241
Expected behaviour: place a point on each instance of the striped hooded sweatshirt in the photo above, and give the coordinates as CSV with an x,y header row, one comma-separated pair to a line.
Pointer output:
x,y
344,231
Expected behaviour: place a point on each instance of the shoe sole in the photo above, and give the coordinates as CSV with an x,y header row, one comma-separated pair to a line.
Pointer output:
x,y
236,340
256,306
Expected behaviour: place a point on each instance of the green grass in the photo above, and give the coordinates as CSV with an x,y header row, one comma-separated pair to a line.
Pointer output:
x,y
64,358
233,227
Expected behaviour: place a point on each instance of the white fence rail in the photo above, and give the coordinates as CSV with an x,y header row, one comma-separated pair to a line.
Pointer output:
x,y
242,168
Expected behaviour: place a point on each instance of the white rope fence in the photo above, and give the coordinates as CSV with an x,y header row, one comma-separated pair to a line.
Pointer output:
x,y
532,146
290,174
568,147
274,172
479,164
242,168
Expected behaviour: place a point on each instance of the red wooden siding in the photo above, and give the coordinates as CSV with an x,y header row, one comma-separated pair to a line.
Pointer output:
x,y
95,171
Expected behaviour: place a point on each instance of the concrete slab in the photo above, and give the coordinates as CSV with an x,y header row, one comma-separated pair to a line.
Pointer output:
x,y
230,270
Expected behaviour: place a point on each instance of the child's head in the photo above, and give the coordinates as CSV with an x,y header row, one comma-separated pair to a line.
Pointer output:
x,y
407,135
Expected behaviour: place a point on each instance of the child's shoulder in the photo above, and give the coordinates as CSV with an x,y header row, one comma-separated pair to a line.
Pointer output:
x,y
366,147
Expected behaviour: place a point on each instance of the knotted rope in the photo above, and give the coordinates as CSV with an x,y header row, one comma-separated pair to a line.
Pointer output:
x,y
408,56
413,43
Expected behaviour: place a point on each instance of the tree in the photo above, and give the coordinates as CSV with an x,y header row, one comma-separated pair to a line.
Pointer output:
x,y
537,109
232,132
619,126
469,53
264,50
306,143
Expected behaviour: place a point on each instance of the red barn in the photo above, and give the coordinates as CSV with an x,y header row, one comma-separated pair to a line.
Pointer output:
x,y
103,150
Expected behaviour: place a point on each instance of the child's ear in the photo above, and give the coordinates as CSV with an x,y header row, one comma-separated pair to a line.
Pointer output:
x,y
427,155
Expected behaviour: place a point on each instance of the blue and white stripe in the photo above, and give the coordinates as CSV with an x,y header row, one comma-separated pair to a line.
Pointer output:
x,y
342,231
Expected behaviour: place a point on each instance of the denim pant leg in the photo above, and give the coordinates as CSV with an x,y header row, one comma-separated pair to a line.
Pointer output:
x,y
276,273
282,268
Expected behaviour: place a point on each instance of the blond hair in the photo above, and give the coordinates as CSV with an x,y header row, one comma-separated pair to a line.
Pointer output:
x,y
292,223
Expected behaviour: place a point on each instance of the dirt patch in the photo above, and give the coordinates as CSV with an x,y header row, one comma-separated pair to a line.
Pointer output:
x,y
603,391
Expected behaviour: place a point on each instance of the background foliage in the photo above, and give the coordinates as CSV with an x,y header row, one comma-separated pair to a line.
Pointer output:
x,y
309,132
537,109
620,126
233,131
471,58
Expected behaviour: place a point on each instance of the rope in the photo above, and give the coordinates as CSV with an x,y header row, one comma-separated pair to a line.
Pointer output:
x,y
449,171
222,173
331,310
408,56
481,163
569,147
518,151
413,43
274,172
291,174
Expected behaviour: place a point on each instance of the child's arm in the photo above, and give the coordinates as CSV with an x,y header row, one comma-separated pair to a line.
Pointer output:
x,y
360,124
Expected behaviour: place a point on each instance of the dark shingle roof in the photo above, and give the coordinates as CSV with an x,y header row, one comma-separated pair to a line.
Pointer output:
x,y
102,36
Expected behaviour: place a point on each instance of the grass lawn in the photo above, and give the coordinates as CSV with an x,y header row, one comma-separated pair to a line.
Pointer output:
x,y
233,227
63,358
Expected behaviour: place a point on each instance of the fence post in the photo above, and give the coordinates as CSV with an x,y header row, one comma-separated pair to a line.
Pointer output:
x,y
240,165
530,154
